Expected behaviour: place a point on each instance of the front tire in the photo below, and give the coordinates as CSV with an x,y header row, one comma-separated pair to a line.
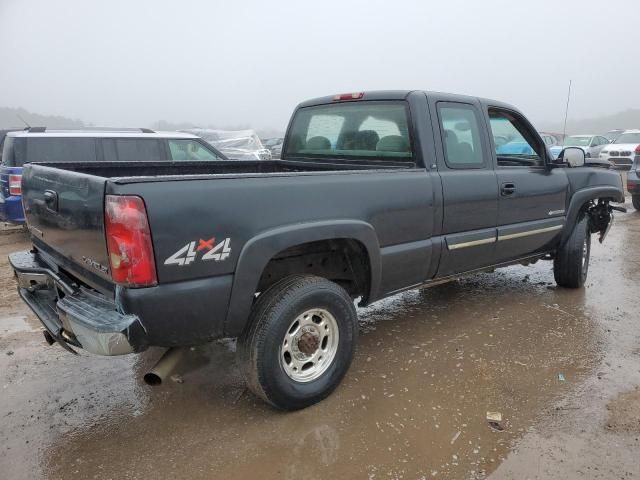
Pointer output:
x,y
571,263
636,201
300,341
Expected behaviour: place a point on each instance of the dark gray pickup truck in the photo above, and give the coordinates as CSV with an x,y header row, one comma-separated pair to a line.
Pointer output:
x,y
376,193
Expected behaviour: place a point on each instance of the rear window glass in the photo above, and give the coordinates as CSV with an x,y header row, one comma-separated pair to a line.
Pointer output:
x,y
351,130
132,150
60,149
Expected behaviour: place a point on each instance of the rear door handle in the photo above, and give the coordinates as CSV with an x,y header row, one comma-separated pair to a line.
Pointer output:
x,y
507,189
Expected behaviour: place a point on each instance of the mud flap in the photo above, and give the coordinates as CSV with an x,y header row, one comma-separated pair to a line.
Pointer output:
x,y
604,234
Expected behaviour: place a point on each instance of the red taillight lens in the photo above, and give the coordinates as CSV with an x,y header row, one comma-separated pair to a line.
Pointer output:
x,y
637,150
15,184
129,241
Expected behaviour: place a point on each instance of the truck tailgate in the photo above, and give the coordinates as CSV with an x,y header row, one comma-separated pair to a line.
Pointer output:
x,y
65,214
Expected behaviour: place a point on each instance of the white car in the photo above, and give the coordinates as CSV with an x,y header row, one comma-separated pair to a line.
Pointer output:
x,y
621,153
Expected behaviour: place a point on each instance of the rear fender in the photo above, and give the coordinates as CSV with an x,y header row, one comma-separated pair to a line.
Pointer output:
x,y
260,249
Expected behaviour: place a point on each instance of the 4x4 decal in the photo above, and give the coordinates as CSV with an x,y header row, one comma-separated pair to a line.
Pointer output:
x,y
212,251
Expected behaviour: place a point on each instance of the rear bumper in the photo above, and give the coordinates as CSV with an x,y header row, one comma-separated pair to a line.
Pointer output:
x,y
11,209
75,316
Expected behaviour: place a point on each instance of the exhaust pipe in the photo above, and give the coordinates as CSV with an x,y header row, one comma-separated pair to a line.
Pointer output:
x,y
165,366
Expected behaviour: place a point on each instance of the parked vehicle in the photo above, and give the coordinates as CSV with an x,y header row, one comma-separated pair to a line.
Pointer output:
x,y
276,152
39,144
376,193
507,146
591,144
549,140
235,144
612,135
622,152
274,145
633,181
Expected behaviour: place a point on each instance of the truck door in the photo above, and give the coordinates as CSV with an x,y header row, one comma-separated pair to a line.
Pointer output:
x,y
469,185
531,206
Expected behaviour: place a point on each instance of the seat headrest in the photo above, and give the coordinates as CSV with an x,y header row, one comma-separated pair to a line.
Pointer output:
x,y
366,140
318,143
393,143
451,136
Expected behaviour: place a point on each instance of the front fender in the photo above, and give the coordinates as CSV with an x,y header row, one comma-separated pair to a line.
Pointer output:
x,y
583,196
259,250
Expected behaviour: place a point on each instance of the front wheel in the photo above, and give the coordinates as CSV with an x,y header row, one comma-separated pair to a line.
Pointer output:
x,y
571,263
300,341
636,201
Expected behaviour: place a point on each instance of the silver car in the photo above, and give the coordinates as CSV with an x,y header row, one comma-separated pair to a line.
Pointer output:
x,y
591,144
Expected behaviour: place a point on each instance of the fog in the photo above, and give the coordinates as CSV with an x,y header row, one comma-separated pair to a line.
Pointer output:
x,y
248,63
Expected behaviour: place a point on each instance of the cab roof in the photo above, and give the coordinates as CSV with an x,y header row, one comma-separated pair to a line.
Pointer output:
x,y
398,95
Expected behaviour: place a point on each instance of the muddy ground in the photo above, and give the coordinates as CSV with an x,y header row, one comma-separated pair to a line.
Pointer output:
x,y
561,366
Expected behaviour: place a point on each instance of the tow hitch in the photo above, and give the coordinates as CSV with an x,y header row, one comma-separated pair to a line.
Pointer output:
x,y
601,217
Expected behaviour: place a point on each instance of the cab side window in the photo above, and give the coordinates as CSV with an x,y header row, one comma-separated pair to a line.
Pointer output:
x,y
460,131
515,144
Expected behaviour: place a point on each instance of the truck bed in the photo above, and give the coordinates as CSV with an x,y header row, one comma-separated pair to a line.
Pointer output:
x,y
65,205
121,170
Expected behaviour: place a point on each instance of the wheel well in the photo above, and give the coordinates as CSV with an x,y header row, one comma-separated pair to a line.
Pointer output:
x,y
344,261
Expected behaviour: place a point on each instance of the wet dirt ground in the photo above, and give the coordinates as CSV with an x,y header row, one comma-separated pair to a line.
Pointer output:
x,y
562,367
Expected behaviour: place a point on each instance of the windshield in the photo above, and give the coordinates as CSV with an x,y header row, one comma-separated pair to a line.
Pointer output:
x,y
577,141
629,138
351,130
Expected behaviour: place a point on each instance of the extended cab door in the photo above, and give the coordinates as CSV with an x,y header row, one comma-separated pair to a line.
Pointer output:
x,y
531,206
469,186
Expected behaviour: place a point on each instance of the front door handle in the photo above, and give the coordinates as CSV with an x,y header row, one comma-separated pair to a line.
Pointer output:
x,y
507,189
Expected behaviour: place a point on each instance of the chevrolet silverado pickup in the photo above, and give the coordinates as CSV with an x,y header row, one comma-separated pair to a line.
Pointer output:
x,y
376,193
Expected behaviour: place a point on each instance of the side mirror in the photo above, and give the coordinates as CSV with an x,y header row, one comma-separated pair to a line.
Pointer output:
x,y
572,156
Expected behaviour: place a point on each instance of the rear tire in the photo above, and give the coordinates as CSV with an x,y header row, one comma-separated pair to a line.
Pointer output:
x,y
300,341
636,201
571,264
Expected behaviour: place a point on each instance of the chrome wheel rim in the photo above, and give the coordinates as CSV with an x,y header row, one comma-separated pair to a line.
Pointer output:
x,y
310,345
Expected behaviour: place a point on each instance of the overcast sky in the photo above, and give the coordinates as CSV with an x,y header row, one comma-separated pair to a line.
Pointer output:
x,y
130,63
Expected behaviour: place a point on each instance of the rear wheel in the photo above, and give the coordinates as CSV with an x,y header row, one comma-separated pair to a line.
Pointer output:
x,y
636,201
300,341
571,264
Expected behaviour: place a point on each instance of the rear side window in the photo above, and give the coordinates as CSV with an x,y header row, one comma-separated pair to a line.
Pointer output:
x,y
351,130
185,149
460,135
60,149
132,150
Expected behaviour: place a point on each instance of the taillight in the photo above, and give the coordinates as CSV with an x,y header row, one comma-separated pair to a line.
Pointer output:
x,y
129,241
637,150
15,184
